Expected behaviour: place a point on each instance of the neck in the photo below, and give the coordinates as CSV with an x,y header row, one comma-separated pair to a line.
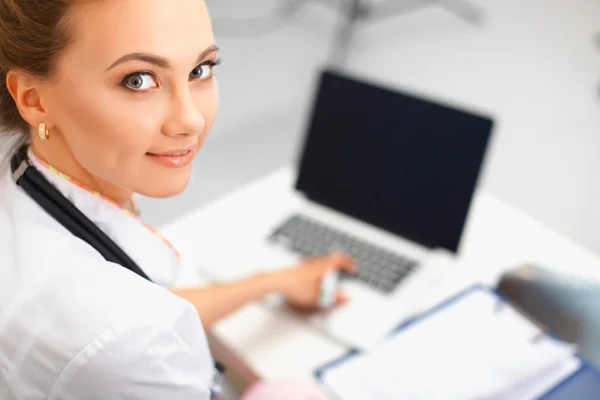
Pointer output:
x,y
55,153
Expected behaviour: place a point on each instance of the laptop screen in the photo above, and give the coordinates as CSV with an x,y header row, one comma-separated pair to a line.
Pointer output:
x,y
401,163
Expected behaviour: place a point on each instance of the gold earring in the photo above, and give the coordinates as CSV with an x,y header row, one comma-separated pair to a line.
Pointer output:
x,y
43,131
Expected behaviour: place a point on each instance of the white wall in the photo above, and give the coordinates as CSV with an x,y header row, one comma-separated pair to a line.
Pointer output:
x,y
532,65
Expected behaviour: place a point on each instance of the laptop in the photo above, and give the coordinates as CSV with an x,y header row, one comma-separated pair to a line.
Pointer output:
x,y
387,177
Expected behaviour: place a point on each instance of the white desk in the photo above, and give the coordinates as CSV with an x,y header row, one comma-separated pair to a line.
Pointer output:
x,y
497,237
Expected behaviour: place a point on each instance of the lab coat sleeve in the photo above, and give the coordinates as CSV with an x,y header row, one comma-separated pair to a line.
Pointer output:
x,y
144,359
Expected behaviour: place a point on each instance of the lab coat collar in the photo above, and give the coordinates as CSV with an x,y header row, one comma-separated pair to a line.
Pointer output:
x,y
152,252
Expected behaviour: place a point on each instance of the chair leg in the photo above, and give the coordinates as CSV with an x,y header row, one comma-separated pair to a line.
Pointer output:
x,y
350,15
354,11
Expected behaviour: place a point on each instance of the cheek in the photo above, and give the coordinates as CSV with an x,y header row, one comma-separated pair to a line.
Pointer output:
x,y
106,130
207,102
109,131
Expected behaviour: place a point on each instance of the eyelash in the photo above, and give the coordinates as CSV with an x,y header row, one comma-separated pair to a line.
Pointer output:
x,y
212,64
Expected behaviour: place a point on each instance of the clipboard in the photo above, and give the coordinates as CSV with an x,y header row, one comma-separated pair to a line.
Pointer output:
x,y
582,384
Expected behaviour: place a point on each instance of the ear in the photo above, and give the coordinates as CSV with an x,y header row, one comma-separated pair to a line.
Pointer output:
x,y
27,92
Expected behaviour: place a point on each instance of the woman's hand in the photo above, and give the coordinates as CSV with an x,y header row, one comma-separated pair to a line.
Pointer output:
x,y
301,285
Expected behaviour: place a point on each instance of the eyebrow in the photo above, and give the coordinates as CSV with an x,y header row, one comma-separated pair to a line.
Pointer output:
x,y
157,60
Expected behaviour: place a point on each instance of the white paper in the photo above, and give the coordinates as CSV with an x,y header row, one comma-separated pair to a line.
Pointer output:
x,y
476,348
536,386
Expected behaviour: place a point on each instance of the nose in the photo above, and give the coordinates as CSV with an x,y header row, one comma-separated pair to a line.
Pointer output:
x,y
185,118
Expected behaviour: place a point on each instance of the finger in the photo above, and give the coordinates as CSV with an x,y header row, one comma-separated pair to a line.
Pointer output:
x,y
342,261
341,298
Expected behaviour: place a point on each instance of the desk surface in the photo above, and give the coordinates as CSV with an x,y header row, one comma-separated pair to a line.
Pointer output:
x,y
497,237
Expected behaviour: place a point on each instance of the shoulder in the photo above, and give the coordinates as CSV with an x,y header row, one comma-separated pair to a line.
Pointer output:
x,y
100,326
153,355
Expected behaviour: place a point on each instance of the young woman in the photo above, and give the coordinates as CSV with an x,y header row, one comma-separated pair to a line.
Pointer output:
x,y
104,99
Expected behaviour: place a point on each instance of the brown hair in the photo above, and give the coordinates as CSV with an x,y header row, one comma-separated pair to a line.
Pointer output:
x,y
32,34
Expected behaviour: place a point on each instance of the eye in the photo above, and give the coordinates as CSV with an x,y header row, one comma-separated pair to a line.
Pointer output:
x,y
140,81
204,70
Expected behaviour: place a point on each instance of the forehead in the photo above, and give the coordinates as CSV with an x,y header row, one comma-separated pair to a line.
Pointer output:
x,y
111,28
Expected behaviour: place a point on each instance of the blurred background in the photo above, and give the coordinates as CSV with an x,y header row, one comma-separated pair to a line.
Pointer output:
x,y
532,64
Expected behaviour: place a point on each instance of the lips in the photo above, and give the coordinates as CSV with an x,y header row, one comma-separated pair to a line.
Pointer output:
x,y
174,158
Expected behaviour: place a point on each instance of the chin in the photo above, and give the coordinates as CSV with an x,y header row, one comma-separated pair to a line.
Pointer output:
x,y
165,187
165,193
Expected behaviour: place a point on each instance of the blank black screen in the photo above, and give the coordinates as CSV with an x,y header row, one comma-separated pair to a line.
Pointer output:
x,y
404,164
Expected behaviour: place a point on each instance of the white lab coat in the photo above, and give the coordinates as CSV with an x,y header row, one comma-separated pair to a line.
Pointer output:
x,y
74,326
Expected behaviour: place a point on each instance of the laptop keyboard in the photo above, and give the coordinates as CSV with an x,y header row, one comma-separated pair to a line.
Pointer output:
x,y
378,267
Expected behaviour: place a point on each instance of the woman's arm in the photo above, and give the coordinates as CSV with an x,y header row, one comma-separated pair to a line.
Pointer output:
x,y
300,286
215,302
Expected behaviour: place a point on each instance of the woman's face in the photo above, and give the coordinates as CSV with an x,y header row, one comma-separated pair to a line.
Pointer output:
x,y
133,96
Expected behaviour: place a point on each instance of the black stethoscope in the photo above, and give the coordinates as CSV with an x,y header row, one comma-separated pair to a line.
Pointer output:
x,y
63,211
